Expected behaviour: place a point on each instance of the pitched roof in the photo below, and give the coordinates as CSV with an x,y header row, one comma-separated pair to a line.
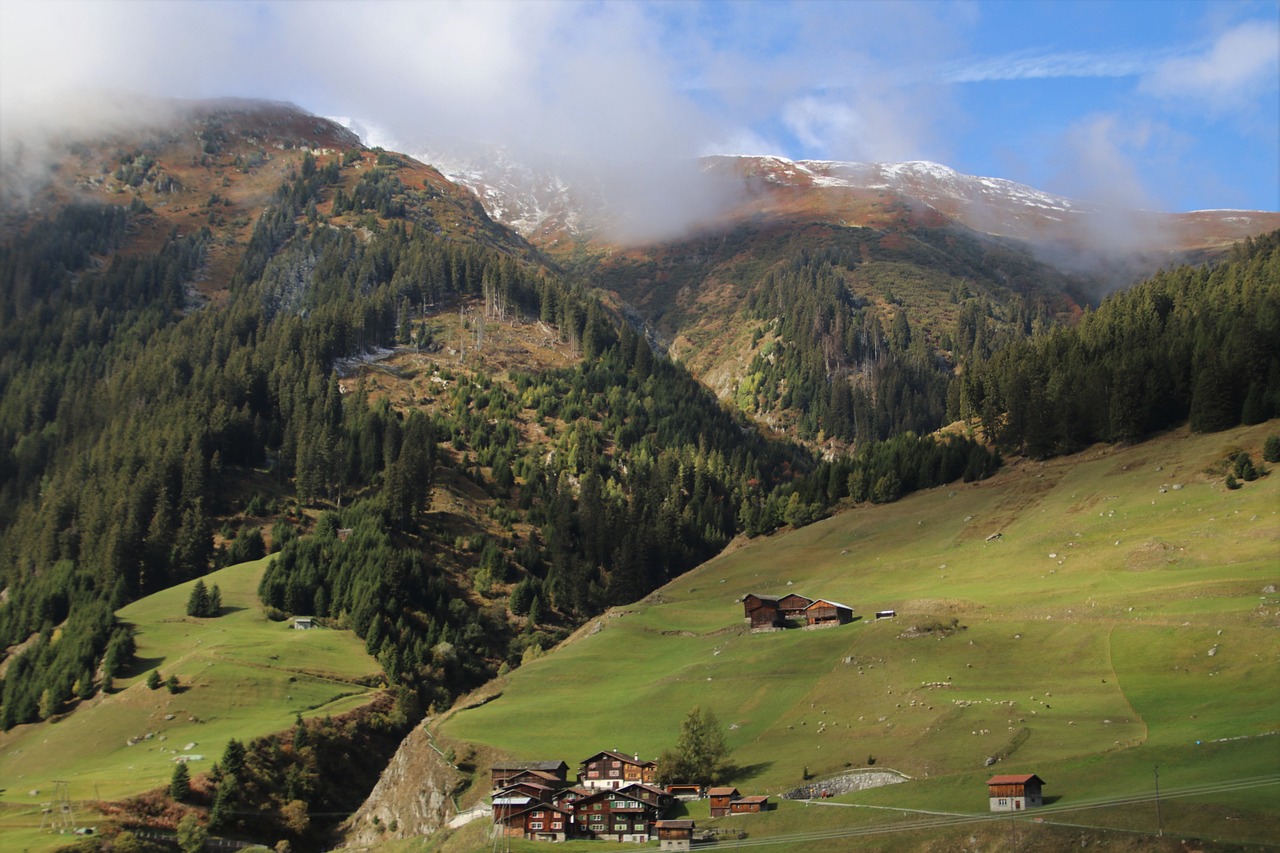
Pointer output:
x,y
837,604
756,799
1014,779
630,759
722,792
643,787
548,766
773,598
674,824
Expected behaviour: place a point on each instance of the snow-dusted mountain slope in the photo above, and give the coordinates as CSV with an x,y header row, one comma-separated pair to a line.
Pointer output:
x,y
557,198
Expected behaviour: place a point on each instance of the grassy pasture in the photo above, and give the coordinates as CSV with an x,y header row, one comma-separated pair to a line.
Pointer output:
x,y
1119,618
242,676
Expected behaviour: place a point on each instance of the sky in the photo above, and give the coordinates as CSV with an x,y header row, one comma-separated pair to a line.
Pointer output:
x,y
1160,105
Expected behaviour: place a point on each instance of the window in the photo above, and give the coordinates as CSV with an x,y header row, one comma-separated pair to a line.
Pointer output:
x,y
597,818
1004,801
619,827
597,806
557,825
537,824
613,772
616,764
538,814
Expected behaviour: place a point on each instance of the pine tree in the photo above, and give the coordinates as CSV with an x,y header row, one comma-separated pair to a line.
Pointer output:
x,y
180,784
198,601
214,606
153,679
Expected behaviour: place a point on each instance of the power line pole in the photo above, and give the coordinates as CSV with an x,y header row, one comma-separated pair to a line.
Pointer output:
x,y
1159,821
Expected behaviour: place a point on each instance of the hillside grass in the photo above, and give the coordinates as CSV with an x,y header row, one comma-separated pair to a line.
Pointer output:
x,y
1118,623
242,676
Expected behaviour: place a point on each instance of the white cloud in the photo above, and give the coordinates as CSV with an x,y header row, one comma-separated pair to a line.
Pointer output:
x,y
1242,65
1039,65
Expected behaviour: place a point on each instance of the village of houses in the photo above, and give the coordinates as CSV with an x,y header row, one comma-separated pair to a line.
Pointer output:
x,y
616,796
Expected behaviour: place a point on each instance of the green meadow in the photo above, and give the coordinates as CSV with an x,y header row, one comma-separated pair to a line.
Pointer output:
x,y
1123,622
241,676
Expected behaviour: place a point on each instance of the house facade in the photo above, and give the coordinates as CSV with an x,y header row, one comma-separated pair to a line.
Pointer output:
x,y
1012,793
753,601
721,798
675,835
766,616
793,605
615,816
824,612
749,805
613,770
549,772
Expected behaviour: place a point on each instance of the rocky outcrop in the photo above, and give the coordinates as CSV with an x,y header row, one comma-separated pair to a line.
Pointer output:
x,y
414,796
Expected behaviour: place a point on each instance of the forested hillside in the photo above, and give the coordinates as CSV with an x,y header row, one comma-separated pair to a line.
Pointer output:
x,y
830,332
1197,343
148,439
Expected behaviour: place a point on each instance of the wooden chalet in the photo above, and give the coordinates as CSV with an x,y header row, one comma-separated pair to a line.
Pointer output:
x,y
538,777
749,805
766,617
752,602
675,834
615,816
536,790
721,798
536,822
793,605
651,794
613,770
566,797
1012,793
824,612
504,773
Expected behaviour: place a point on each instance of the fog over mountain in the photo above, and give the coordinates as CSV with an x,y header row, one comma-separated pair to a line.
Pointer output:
x,y
1166,116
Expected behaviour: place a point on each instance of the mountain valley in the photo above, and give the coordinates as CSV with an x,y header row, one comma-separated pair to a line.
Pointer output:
x,y
520,466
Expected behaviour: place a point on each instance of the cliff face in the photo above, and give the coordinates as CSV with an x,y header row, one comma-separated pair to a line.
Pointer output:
x,y
413,797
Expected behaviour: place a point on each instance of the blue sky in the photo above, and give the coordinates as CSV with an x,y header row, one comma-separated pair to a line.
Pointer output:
x,y
1168,105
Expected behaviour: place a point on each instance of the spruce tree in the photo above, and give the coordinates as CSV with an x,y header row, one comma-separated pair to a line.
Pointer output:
x,y
198,601
180,784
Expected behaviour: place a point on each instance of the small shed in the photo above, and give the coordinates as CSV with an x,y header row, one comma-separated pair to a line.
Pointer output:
x,y
721,798
793,605
766,616
674,834
824,612
886,614
753,601
303,623
1012,793
749,805
685,791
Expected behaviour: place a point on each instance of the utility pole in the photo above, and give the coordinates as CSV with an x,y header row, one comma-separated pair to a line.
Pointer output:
x,y
1159,821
